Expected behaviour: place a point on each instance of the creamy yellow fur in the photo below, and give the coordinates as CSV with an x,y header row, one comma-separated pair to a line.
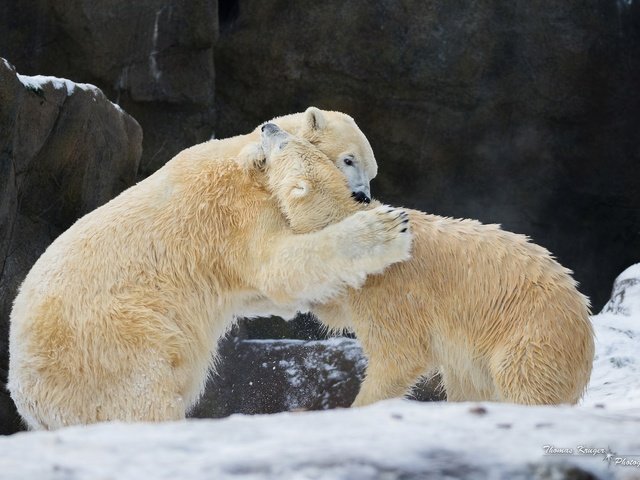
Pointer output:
x,y
119,318
495,314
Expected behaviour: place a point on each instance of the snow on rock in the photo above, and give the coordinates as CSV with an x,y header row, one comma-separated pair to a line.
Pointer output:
x,y
38,81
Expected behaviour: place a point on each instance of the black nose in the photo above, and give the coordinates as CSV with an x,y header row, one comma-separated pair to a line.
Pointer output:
x,y
361,197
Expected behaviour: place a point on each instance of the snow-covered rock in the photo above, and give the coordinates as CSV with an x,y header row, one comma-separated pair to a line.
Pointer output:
x,y
38,82
615,380
625,297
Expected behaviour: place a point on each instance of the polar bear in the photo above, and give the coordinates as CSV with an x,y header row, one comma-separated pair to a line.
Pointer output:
x,y
494,313
119,318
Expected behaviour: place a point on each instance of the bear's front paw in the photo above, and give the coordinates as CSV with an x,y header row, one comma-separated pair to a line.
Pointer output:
x,y
386,237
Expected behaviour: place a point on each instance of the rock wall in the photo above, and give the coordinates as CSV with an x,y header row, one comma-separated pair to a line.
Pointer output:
x,y
65,149
522,113
153,57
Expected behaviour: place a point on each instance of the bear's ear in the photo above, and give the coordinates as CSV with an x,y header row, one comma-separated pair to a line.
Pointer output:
x,y
273,139
300,189
314,120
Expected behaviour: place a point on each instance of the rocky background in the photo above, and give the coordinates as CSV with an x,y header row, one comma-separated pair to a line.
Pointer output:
x,y
520,113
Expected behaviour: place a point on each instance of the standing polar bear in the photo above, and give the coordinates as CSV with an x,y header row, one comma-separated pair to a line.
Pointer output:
x,y
494,313
119,318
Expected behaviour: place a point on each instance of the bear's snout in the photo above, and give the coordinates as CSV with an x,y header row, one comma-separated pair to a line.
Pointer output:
x,y
361,197
270,128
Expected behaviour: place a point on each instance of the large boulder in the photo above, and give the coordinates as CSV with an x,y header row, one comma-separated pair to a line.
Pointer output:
x,y
520,113
153,57
269,376
65,149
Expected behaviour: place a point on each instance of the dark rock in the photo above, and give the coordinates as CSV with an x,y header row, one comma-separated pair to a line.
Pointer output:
x,y
520,113
10,421
64,151
269,376
304,326
153,57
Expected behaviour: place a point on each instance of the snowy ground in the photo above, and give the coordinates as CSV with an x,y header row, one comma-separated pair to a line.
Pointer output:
x,y
397,439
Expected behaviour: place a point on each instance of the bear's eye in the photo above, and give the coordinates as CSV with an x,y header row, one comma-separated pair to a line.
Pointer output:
x,y
348,161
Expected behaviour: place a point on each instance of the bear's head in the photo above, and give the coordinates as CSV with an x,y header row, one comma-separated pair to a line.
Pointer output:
x,y
311,192
339,138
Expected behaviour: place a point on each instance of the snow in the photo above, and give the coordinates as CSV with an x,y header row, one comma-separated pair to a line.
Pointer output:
x,y
382,441
38,81
393,439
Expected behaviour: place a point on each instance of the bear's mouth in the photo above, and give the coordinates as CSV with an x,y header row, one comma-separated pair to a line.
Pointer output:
x,y
361,197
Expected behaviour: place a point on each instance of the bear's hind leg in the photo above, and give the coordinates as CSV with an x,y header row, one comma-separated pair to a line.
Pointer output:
x,y
387,378
525,375
459,387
